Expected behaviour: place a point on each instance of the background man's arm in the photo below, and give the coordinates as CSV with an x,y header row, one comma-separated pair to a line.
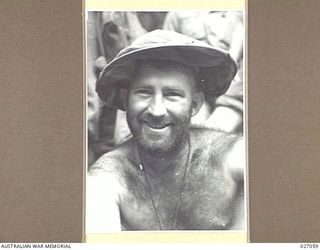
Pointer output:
x,y
236,159
102,204
236,166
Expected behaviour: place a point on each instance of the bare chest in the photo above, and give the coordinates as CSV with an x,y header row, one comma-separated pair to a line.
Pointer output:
x,y
204,200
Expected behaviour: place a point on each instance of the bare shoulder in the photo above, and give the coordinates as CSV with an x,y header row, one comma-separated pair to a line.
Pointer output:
x,y
228,147
106,176
104,188
215,139
111,171
114,162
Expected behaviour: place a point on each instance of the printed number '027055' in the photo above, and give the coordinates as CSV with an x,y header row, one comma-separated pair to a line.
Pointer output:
x,y
306,245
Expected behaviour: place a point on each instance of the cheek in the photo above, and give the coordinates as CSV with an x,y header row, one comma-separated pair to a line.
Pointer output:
x,y
136,105
182,109
135,110
183,104
179,108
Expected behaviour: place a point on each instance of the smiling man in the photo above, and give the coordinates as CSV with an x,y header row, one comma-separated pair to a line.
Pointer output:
x,y
169,175
162,99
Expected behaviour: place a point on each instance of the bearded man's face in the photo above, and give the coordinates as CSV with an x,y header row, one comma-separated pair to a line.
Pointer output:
x,y
160,105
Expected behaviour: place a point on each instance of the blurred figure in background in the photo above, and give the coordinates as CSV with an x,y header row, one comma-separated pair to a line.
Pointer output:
x,y
223,30
107,34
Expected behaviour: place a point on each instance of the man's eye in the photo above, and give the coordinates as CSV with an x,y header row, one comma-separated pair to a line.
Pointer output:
x,y
143,92
173,94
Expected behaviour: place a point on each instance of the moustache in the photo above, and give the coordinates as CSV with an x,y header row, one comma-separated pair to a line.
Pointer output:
x,y
156,122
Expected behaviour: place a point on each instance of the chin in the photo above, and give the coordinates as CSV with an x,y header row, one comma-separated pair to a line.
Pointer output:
x,y
157,148
165,144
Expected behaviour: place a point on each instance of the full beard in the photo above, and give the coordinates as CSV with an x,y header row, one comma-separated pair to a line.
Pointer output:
x,y
160,137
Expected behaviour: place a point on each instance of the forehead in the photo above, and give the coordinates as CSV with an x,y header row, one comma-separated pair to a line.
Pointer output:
x,y
164,71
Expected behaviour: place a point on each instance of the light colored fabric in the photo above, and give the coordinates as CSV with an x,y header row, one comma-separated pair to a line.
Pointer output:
x,y
224,30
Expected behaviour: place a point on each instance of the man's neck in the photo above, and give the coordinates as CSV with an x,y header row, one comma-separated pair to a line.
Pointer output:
x,y
158,164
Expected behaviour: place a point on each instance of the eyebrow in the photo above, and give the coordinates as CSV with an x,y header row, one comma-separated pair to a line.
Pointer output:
x,y
182,91
174,89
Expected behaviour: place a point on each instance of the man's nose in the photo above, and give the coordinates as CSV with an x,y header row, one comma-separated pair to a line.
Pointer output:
x,y
156,107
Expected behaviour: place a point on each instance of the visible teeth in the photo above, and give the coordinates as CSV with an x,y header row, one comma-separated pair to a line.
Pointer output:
x,y
156,127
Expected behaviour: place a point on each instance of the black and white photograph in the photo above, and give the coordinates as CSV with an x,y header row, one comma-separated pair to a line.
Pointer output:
x,y
136,123
165,121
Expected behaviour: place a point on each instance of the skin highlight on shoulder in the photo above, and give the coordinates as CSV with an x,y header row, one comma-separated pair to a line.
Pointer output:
x,y
113,161
119,165
220,141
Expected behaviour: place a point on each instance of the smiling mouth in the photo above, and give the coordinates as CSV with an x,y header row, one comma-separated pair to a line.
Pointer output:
x,y
157,126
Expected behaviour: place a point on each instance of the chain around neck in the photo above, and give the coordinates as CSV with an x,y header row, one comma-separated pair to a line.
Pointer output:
x,y
181,187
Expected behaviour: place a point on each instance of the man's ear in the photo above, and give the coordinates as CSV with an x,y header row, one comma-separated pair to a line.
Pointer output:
x,y
197,102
